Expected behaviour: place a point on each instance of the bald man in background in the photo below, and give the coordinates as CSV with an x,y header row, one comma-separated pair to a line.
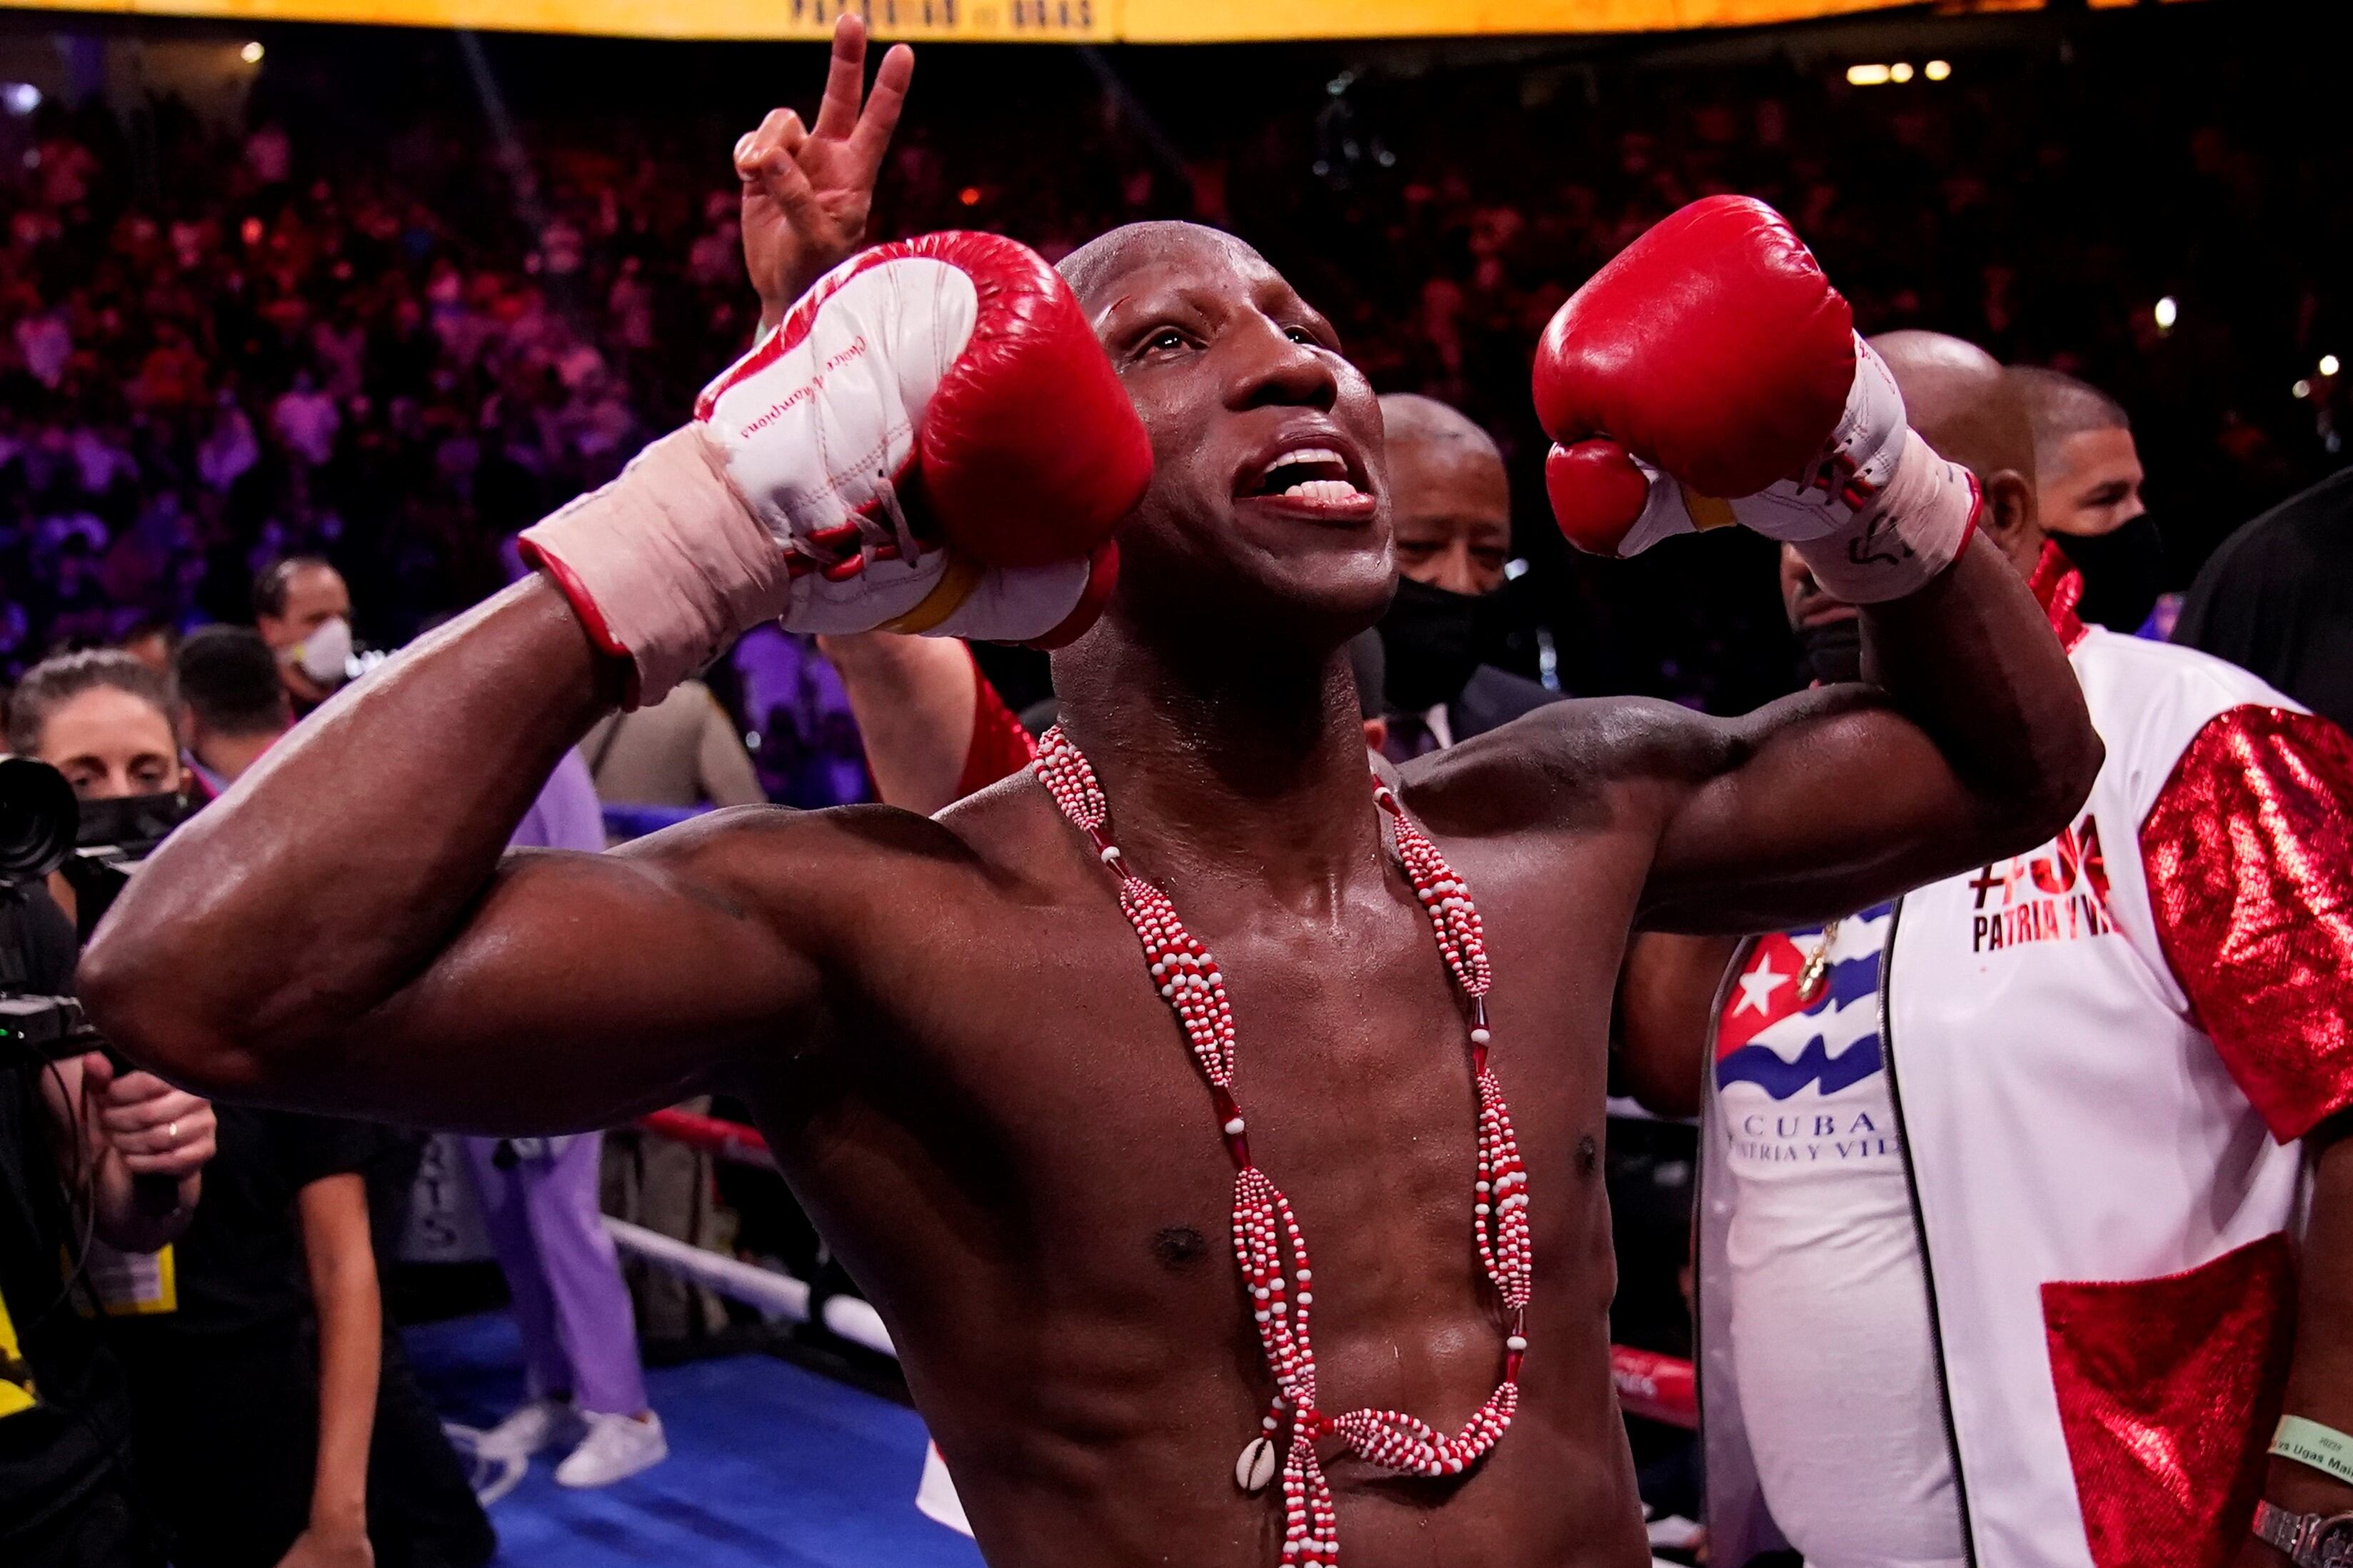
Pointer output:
x,y
1452,505
2029,1299
2087,484
935,731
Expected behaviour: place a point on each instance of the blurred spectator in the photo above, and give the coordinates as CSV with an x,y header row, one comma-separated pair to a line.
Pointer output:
x,y
255,1359
585,1388
2048,1010
152,643
306,419
2087,482
100,718
233,706
68,1496
303,608
1451,501
682,750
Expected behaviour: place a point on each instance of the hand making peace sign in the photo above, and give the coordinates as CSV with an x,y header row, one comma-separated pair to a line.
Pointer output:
x,y
807,191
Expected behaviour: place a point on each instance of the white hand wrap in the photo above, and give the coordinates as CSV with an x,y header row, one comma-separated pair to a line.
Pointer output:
x,y
1899,540
1878,513
784,500
665,566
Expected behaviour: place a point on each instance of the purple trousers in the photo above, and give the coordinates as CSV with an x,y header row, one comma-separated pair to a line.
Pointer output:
x,y
578,1336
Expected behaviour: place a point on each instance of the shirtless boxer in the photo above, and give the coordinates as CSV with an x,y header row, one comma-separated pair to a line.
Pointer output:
x,y
946,1026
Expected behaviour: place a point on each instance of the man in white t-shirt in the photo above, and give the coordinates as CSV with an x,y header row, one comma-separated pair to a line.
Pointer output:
x,y
1821,1248
1996,1260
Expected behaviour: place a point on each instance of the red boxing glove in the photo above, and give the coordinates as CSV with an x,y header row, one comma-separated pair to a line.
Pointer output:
x,y
1713,346
988,407
931,441
1711,374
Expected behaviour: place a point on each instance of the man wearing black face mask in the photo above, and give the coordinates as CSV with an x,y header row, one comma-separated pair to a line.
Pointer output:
x,y
1453,520
2087,491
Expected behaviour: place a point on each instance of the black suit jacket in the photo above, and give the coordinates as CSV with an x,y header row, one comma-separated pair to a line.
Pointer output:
x,y
1492,698
2277,598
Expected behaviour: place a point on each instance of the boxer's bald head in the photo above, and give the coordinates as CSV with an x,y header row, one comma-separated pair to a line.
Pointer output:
x,y
1102,263
1267,518
1971,410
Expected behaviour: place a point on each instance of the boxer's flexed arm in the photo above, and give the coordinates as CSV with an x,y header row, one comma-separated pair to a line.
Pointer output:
x,y
1713,359
1972,744
340,930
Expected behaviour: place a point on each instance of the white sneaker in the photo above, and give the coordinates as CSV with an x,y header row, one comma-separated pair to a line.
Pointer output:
x,y
616,1447
531,1428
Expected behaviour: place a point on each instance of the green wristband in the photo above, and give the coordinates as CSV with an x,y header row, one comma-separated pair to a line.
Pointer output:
x,y
2325,1448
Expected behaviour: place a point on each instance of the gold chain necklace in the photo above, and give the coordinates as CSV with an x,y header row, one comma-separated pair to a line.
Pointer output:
x,y
1816,965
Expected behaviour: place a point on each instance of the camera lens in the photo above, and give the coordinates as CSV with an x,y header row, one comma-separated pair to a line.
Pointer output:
x,y
38,817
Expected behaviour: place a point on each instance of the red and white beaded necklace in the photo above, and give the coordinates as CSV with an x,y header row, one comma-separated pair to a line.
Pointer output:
x,y
1265,1226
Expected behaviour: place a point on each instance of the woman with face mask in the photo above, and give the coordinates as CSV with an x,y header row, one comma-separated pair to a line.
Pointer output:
x,y
102,719
100,1169
255,1359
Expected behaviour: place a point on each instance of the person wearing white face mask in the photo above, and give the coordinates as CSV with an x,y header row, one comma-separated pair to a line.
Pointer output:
x,y
303,608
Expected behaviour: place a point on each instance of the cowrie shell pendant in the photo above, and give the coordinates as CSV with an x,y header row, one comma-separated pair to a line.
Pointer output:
x,y
1255,1468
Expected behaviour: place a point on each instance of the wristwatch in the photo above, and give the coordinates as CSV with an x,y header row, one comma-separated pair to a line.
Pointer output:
x,y
2311,1540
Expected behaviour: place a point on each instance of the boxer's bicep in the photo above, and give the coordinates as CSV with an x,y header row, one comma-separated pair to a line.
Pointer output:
x,y
1809,808
582,989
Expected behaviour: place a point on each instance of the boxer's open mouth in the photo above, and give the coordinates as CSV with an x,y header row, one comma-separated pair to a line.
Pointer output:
x,y
1310,476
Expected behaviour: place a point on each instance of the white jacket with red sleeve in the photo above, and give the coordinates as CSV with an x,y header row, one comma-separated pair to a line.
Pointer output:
x,y
2102,1056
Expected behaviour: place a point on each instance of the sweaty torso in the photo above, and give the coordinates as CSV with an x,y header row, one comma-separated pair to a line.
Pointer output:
x,y
1007,1142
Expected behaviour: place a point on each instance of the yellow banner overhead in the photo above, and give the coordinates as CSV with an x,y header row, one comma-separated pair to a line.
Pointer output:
x,y
1211,21
1037,21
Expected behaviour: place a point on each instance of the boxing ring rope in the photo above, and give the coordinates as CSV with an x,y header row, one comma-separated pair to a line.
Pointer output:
x,y
1656,1387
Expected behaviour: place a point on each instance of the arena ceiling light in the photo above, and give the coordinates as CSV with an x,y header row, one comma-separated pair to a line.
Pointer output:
x,y
1880,73
21,96
2328,366
2300,390
251,54
2168,311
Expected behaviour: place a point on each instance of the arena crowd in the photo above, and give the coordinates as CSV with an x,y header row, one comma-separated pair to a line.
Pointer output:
x,y
346,330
